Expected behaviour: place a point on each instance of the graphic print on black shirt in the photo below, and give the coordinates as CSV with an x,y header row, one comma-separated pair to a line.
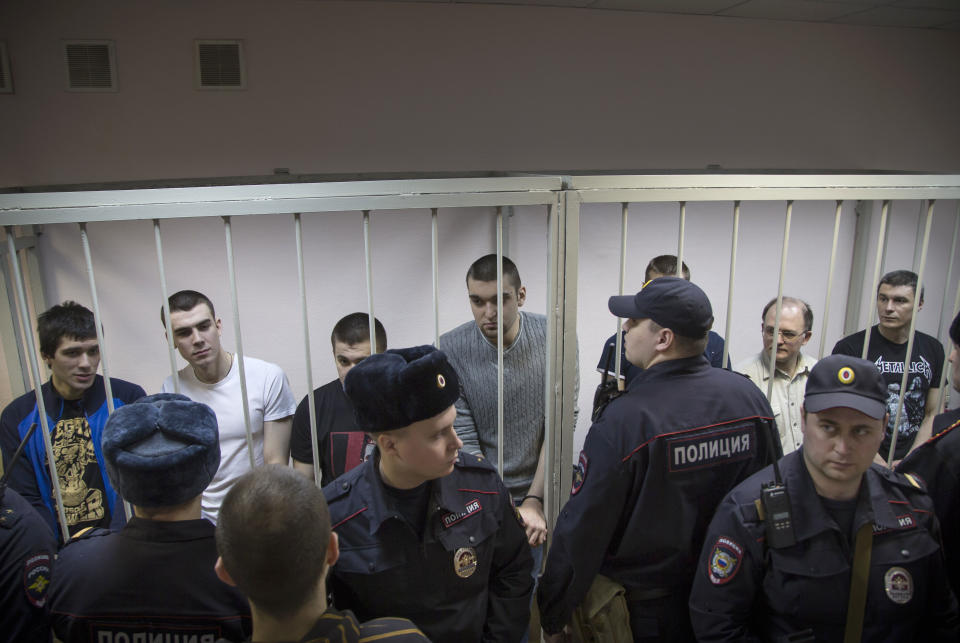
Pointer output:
x,y
81,483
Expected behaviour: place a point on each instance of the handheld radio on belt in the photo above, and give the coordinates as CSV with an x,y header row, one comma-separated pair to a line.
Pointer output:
x,y
777,517
13,460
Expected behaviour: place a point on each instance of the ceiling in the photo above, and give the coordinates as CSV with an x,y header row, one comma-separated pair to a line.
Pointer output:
x,y
918,14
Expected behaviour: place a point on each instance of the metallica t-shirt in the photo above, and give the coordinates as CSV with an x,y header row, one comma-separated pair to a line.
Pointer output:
x,y
926,365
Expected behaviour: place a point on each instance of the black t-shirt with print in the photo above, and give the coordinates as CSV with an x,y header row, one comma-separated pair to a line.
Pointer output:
x,y
341,444
926,366
81,481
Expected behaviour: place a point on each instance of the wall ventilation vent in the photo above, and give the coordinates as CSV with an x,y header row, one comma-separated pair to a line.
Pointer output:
x,y
220,65
91,66
6,81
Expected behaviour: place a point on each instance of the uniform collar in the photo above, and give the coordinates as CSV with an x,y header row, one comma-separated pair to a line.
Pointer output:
x,y
670,367
810,516
443,492
168,531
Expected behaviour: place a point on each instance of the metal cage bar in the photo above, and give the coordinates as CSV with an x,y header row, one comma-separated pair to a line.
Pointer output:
x,y
681,234
500,341
368,262
38,383
167,321
944,393
730,282
232,270
435,273
618,347
551,388
776,322
878,264
833,264
913,325
98,322
305,319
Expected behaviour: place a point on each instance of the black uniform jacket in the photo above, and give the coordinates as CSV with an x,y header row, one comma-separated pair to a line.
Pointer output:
x,y
937,463
150,579
652,470
469,579
27,548
745,591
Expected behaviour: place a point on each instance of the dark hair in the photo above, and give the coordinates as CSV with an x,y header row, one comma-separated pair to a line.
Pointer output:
x,y
187,300
485,269
272,534
355,328
901,278
665,265
807,312
67,320
955,332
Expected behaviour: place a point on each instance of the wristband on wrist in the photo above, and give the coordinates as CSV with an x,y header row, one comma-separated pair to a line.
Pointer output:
x,y
537,498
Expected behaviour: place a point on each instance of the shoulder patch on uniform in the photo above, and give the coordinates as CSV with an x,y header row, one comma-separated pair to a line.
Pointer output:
x,y
471,461
909,481
914,480
87,533
342,485
724,561
579,474
752,511
36,578
9,517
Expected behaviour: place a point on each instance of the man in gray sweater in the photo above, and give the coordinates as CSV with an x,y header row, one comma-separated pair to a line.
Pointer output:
x,y
472,349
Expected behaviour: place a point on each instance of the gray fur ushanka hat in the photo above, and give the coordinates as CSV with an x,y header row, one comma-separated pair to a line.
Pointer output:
x,y
161,450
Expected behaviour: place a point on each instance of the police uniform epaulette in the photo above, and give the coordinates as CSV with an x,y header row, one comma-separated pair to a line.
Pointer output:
x,y
471,461
342,485
939,434
86,534
909,481
752,511
8,517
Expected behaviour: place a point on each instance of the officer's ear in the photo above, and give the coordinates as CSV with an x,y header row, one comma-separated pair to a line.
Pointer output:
x,y
665,337
223,574
333,549
386,442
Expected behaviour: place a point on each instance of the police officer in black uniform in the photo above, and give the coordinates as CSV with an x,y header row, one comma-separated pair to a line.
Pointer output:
x,y
426,532
772,570
275,544
154,578
654,467
937,463
27,547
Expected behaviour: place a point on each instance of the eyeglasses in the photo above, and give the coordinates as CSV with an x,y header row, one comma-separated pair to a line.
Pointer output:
x,y
787,335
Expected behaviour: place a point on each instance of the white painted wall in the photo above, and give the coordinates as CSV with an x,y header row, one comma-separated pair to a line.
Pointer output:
x,y
368,87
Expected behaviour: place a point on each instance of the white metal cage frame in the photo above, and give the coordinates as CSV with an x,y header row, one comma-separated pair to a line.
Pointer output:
x,y
561,196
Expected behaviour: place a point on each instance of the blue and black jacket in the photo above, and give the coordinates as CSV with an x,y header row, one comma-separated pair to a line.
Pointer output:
x,y
30,476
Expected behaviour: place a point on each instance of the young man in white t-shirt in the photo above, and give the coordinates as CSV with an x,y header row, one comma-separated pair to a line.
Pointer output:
x,y
212,376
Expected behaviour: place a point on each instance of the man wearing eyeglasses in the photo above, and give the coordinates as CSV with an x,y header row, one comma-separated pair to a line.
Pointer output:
x,y
792,366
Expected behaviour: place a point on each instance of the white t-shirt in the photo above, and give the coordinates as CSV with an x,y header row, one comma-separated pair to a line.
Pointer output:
x,y
269,398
